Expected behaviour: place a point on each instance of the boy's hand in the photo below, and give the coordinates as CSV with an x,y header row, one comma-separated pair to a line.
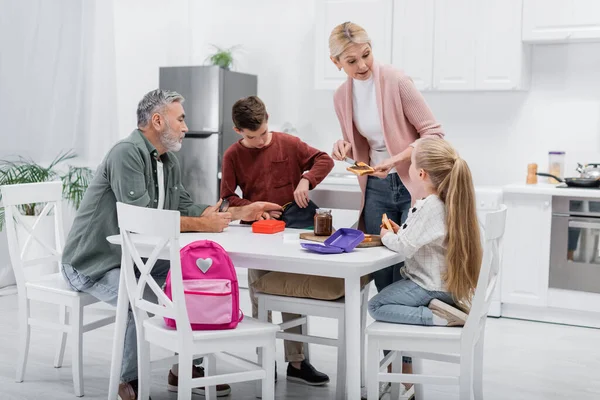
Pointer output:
x,y
254,211
301,193
340,150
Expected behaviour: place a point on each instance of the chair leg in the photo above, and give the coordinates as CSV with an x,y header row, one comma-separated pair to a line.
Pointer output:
x,y
372,369
340,386
363,326
465,380
396,369
24,336
263,315
62,340
184,389
478,369
304,328
144,368
210,369
77,346
417,367
268,363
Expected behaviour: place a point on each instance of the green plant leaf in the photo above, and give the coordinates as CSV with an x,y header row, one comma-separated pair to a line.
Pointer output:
x,y
24,170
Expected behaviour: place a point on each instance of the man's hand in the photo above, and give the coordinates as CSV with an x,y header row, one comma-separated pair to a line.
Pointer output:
x,y
254,211
216,221
301,193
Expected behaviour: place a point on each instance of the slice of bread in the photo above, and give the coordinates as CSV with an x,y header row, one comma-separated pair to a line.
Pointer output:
x,y
386,222
361,169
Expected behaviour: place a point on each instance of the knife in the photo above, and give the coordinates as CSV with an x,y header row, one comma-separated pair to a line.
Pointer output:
x,y
350,161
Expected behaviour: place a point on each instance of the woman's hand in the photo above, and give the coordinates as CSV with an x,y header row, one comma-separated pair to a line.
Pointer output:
x,y
383,169
340,150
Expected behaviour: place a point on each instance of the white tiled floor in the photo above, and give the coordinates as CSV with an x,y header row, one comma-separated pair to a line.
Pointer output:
x,y
523,360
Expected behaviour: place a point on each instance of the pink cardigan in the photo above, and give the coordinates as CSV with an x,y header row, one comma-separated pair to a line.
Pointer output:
x,y
404,114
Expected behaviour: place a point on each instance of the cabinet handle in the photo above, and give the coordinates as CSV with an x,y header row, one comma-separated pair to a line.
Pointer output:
x,y
546,204
569,35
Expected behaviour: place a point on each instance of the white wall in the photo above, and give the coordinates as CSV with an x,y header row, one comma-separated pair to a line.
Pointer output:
x,y
498,133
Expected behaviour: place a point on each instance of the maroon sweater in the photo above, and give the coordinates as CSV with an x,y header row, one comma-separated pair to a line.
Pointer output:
x,y
273,172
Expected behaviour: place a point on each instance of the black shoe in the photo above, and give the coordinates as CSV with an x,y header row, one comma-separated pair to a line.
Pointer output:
x,y
275,371
307,374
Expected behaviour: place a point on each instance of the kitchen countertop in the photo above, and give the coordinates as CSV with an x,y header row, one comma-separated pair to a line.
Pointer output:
x,y
551,190
340,182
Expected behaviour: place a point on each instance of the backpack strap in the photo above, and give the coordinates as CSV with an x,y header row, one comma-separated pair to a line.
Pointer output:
x,y
241,316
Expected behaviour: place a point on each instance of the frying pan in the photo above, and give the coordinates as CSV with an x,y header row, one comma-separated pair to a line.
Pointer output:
x,y
574,182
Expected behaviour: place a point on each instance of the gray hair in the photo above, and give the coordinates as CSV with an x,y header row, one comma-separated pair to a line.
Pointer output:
x,y
153,102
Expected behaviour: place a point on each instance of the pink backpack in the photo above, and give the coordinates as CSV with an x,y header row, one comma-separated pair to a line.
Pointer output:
x,y
210,286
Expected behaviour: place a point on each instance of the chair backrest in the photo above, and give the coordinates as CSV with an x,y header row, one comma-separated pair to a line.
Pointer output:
x,y
22,233
151,233
493,230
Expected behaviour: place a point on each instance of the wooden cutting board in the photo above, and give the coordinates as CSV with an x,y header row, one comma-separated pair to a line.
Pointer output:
x,y
376,240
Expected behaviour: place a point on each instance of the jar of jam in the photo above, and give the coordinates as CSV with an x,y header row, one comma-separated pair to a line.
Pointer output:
x,y
323,222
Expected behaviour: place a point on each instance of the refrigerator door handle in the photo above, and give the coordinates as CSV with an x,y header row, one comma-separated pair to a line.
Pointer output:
x,y
200,135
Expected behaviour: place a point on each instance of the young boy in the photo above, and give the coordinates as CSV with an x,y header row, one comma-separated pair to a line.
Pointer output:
x,y
280,168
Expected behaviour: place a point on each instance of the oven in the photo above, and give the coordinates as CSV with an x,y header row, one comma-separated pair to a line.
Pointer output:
x,y
575,244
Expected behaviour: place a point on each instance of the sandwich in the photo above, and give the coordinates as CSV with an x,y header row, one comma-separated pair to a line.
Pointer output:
x,y
360,168
386,222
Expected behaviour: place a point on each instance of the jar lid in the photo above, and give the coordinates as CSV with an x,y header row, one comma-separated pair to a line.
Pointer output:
x,y
323,211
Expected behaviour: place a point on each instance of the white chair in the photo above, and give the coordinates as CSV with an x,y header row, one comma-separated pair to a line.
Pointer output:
x,y
50,288
316,308
164,226
463,346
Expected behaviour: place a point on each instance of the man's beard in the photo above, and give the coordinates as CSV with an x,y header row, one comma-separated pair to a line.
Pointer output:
x,y
168,139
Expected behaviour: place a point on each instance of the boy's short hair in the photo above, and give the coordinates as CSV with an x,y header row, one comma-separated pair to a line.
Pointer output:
x,y
249,113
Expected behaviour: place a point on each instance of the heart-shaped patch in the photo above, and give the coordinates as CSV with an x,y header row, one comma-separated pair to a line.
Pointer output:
x,y
204,264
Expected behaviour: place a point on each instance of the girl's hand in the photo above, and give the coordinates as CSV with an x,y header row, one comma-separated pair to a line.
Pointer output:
x,y
395,226
340,150
384,232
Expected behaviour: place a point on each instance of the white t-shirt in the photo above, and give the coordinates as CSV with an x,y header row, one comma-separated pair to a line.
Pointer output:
x,y
366,118
160,180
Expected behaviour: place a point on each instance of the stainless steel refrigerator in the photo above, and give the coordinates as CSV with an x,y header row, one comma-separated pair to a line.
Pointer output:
x,y
209,95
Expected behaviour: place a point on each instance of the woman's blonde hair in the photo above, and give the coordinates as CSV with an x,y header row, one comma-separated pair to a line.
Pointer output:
x,y
345,35
452,179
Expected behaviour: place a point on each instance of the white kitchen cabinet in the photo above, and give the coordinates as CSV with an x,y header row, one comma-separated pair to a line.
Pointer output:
x,y
412,44
461,45
502,62
561,20
526,249
375,16
454,45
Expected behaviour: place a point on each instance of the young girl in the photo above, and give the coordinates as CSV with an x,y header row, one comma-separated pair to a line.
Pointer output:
x,y
440,240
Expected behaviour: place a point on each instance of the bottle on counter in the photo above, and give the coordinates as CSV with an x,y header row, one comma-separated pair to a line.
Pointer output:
x,y
531,174
556,165
323,222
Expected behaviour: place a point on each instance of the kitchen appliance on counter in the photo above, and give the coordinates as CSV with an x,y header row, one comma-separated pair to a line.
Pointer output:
x,y
209,93
575,244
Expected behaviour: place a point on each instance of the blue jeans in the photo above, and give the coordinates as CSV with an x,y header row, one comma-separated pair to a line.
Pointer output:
x,y
405,302
107,289
391,197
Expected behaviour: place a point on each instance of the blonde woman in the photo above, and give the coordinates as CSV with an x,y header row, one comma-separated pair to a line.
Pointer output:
x,y
381,114
440,240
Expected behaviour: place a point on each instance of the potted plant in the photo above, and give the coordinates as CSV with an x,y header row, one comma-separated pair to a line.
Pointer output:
x,y
222,58
75,180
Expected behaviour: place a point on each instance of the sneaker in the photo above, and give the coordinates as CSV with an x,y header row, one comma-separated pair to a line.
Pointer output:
x,y
197,372
453,315
128,391
307,374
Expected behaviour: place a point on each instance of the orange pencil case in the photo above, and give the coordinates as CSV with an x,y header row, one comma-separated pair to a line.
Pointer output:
x,y
268,226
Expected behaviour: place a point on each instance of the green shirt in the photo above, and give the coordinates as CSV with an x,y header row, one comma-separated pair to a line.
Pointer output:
x,y
128,175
